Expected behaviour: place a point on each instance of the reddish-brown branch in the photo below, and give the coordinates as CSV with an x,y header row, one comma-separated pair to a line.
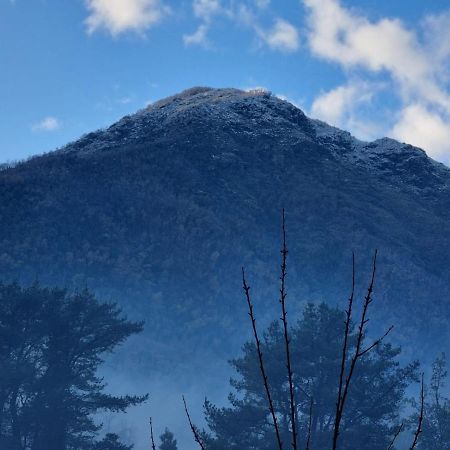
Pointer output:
x,y
354,360
193,427
397,433
308,439
359,352
151,435
344,356
377,342
420,420
283,295
261,361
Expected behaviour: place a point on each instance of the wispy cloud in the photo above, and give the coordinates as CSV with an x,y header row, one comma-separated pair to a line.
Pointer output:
x,y
125,100
46,124
119,16
205,10
198,37
341,107
262,4
282,36
424,128
412,59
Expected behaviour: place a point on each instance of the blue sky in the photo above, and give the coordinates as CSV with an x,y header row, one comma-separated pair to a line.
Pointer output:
x,y
375,68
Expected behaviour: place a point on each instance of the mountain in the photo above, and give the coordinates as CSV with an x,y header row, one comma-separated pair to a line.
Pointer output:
x,y
160,211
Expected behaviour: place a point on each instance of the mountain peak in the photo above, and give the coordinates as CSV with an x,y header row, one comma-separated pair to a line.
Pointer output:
x,y
209,99
229,121
201,94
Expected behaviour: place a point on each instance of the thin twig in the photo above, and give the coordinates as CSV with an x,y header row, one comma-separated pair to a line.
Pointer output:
x,y
193,427
420,421
283,295
261,361
344,355
397,433
344,387
376,343
151,435
308,439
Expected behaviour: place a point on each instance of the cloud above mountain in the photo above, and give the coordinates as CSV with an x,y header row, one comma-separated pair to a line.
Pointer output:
x,y
282,35
49,123
377,57
411,59
119,16
373,68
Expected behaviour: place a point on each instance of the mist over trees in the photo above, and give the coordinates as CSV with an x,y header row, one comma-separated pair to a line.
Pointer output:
x,y
316,383
51,345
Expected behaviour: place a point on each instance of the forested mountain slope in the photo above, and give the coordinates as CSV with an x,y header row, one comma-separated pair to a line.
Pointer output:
x,y
160,211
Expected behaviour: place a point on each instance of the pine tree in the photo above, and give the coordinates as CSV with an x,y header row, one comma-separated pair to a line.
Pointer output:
x,y
51,345
111,442
373,406
167,441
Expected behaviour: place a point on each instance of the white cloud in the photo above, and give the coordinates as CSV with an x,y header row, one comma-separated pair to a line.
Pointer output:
x,y
205,9
47,124
199,37
282,36
332,106
425,129
437,37
125,100
342,106
118,16
412,60
262,4
387,45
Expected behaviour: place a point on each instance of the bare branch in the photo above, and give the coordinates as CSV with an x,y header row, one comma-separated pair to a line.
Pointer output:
x,y
344,356
420,421
397,433
283,295
151,435
376,343
193,427
344,387
261,361
308,439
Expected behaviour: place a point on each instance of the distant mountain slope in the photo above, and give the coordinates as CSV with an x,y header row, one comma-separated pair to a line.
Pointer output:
x,y
161,209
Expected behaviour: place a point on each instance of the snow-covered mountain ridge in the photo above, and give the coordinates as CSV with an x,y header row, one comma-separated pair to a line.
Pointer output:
x,y
229,108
